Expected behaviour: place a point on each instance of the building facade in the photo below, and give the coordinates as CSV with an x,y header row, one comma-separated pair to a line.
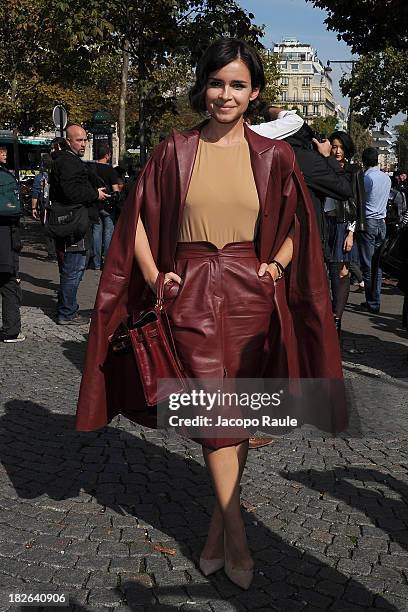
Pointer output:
x,y
383,141
305,84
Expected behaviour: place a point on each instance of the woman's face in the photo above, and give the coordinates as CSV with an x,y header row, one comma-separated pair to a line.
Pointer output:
x,y
229,91
338,150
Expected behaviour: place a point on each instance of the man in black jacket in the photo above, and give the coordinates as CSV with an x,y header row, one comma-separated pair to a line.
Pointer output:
x,y
71,186
322,172
10,289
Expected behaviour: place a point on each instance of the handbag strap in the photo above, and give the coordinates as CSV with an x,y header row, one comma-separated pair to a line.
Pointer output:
x,y
160,290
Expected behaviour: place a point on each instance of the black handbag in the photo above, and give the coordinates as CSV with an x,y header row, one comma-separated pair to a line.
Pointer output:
x,y
64,221
394,253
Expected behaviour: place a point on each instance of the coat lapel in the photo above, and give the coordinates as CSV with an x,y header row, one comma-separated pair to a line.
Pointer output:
x,y
262,153
186,145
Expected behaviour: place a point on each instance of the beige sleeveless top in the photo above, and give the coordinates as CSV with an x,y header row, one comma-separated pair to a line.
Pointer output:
x,y
222,202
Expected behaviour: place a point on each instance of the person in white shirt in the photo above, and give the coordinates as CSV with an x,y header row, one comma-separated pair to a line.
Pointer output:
x,y
283,123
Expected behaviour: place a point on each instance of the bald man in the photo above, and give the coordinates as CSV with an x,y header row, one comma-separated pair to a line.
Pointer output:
x,y
73,194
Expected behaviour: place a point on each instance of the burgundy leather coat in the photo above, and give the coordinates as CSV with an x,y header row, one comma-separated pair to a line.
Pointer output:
x,y
302,339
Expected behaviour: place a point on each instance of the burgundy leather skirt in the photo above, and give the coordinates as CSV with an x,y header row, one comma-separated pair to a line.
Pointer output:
x,y
220,315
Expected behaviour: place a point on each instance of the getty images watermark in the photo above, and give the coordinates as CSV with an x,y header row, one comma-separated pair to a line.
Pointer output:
x,y
233,408
222,405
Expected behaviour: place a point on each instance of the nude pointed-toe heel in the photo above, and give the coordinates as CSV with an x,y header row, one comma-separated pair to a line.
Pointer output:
x,y
241,577
210,566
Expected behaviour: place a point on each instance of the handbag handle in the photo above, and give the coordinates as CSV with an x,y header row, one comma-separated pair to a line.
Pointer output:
x,y
160,290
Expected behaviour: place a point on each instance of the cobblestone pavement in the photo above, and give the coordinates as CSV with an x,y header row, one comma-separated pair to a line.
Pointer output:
x,y
116,519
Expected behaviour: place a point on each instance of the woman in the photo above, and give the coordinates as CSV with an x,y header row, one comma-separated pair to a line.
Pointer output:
x,y
222,211
341,218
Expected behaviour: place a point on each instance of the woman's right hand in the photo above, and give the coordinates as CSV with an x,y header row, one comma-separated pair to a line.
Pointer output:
x,y
169,276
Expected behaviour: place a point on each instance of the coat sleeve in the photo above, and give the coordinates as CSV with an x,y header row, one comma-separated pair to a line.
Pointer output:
x,y
121,286
325,176
308,292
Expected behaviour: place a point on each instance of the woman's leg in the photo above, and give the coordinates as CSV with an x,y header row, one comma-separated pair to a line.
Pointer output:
x,y
343,290
226,466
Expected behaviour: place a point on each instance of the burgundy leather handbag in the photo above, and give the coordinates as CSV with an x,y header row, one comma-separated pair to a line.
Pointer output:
x,y
149,335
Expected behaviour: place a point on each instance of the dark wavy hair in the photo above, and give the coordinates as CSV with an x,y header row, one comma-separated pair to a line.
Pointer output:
x,y
216,56
348,144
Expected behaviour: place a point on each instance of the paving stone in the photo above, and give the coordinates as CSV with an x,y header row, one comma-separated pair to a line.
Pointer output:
x,y
104,598
113,549
71,577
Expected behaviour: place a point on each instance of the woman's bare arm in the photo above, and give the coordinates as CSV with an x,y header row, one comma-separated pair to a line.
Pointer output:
x,y
283,256
144,258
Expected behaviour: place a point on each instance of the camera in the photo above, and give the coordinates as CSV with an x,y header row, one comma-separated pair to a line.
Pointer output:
x,y
112,202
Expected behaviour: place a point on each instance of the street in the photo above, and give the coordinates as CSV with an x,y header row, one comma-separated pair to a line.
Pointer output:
x,y
116,519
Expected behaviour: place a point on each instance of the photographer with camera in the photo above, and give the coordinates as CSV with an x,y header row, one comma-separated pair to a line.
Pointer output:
x,y
102,230
73,209
323,175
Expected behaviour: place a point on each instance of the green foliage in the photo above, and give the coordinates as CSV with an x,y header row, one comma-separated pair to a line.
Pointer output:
x,y
324,125
272,74
40,65
401,146
378,31
361,137
368,25
55,51
379,86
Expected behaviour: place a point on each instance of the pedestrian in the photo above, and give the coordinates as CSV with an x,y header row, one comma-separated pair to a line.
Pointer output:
x,y
10,246
341,218
102,230
324,176
377,186
57,145
225,214
40,202
73,197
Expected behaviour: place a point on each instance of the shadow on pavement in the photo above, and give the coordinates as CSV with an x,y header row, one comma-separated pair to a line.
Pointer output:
x,y
386,356
167,490
389,514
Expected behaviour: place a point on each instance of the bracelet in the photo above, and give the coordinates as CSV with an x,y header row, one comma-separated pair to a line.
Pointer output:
x,y
279,267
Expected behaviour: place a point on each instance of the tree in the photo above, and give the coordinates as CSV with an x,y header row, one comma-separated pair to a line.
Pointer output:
x,y
324,125
379,85
40,65
272,74
368,25
361,137
401,146
156,31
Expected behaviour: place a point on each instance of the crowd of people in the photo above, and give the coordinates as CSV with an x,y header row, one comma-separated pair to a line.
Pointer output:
x,y
354,206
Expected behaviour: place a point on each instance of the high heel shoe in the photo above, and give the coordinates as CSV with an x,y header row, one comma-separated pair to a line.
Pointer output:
x,y
241,577
210,566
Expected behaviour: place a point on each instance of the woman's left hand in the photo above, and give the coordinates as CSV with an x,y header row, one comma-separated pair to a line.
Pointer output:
x,y
271,269
348,243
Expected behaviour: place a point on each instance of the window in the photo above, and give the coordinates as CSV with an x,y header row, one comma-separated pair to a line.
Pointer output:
x,y
316,96
304,109
306,81
316,109
305,96
284,96
295,94
285,81
294,67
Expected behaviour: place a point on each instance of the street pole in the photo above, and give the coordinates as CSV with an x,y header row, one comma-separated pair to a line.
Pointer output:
x,y
351,105
61,121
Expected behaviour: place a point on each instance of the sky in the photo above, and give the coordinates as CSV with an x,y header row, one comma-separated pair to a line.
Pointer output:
x,y
300,19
